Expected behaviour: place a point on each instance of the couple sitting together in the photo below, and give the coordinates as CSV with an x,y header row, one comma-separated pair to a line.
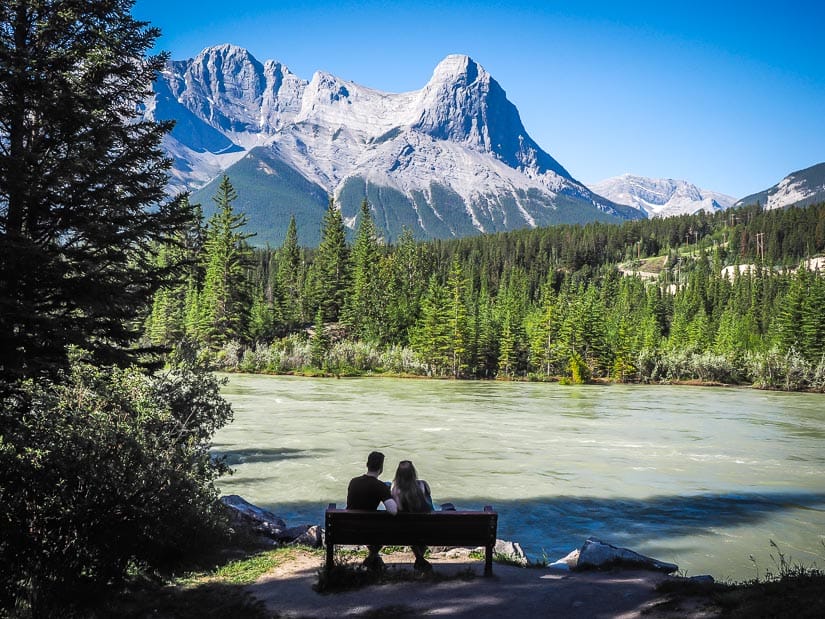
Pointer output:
x,y
406,494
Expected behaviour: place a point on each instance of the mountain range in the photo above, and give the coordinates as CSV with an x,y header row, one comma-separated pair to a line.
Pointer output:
x,y
661,197
448,160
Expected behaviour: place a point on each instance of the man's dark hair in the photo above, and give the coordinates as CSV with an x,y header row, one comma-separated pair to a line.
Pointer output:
x,y
375,461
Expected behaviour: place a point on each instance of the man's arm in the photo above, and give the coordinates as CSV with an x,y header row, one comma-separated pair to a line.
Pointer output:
x,y
391,506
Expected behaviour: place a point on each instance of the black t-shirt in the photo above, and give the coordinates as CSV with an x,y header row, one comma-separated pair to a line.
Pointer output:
x,y
366,492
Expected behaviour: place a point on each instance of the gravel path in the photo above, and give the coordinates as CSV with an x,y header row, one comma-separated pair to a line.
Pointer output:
x,y
511,592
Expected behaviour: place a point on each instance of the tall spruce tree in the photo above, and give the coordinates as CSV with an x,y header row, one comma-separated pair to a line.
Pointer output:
x,y
289,275
329,276
225,298
82,179
363,308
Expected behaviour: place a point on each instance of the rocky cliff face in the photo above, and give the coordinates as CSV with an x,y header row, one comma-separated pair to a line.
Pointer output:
x,y
450,159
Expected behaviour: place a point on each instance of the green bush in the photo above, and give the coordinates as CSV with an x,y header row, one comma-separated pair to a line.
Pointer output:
x,y
101,471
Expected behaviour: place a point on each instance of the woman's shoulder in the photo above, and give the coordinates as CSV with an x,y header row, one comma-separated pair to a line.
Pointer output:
x,y
425,487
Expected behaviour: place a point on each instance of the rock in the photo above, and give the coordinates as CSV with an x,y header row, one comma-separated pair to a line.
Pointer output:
x,y
457,553
312,537
702,579
260,520
567,563
512,550
598,554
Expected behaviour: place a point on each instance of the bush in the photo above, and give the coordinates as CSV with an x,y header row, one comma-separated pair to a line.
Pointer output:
x,y
103,470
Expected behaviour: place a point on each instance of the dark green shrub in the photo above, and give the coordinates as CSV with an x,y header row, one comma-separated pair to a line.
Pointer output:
x,y
101,471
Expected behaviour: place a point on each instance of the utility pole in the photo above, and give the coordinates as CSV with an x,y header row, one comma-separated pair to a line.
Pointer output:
x,y
760,245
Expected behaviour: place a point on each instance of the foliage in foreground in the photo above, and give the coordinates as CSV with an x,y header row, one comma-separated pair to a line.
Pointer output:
x,y
216,592
788,590
103,471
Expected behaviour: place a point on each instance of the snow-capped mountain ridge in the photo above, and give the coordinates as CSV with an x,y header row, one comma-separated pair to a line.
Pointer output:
x,y
449,159
661,197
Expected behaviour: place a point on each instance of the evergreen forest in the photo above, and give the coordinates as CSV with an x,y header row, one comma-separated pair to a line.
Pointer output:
x,y
734,297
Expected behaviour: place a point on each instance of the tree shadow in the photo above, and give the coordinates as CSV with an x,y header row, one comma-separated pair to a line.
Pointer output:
x,y
556,524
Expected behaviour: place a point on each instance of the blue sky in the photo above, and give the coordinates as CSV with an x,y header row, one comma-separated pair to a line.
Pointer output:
x,y
727,95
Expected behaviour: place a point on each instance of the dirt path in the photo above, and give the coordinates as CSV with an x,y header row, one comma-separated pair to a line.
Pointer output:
x,y
511,592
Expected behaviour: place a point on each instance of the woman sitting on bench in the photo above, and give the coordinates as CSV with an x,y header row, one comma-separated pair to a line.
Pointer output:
x,y
412,495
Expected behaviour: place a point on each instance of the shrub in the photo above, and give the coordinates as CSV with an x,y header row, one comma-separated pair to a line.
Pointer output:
x,y
102,470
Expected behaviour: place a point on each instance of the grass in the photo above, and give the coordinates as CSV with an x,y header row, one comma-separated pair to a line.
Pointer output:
x,y
209,593
787,590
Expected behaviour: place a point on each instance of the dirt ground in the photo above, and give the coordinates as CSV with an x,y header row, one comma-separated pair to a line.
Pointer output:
x,y
511,592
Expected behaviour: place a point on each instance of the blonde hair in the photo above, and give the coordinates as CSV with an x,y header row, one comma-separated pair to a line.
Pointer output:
x,y
408,491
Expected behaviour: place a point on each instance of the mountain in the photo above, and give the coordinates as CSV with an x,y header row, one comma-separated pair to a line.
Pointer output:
x,y
801,188
661,197
448,160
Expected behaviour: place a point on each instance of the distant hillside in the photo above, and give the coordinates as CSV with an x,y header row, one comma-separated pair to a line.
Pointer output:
x,y
799,188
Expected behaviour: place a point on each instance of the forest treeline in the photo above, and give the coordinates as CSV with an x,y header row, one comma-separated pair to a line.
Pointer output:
x,y
710,297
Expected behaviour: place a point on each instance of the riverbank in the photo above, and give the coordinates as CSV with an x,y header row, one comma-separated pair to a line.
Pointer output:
x,y
675,382
280,583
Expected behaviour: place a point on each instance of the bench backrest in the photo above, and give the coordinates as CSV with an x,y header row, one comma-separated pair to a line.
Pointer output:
x,y
450,528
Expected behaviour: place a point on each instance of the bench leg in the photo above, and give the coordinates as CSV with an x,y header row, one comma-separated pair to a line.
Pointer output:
x,y
488,561
329,563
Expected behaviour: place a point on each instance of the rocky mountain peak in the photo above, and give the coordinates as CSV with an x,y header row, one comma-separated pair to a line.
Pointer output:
x,y
661,197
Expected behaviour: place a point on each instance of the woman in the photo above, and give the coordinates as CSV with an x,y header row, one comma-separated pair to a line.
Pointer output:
x,y
412,495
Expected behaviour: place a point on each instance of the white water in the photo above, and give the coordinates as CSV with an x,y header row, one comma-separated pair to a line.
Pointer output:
x,y
701,477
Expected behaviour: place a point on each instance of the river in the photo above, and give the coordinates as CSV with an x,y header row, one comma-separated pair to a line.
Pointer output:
x,y
702,477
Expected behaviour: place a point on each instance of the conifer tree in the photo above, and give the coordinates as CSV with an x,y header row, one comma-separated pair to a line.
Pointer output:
x,y
431,337
82,179
225,298
289,275
457,321
363,306
329,276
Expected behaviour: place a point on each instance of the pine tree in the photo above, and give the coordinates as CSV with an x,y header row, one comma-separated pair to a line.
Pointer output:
x,y
82,180
319,344
363,309
225,298
289,275
329,276
405,280
431,337
457,321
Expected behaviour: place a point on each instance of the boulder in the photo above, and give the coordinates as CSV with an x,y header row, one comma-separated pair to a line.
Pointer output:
x,y
312,537
260,520
596,554
566,563
512,550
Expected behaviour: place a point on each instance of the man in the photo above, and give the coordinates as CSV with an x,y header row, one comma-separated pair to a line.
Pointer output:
x,y
366,492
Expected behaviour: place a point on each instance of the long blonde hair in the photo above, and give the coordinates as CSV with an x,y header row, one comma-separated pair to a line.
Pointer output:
x,y
407,490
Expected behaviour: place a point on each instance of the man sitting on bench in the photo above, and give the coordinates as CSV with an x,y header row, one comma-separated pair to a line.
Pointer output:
x,y
366,492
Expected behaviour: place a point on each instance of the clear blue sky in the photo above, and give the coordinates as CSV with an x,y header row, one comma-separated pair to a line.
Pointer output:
x,y
727,95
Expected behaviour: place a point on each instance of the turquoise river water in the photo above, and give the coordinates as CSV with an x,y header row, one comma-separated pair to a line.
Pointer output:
x,y
702,477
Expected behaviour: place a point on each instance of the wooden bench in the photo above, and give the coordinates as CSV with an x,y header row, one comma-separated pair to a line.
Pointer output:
x,y
450,528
